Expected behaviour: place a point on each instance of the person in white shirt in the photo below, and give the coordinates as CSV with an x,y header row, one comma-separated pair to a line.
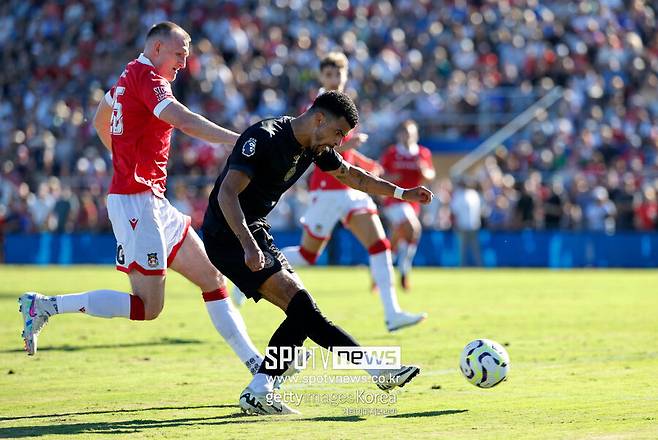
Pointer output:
x,y
466,207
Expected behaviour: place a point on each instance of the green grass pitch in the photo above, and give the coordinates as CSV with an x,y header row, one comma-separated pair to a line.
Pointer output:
x,y
583,348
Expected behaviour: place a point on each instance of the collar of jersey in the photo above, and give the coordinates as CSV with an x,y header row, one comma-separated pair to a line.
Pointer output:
x,y
413,151
142,59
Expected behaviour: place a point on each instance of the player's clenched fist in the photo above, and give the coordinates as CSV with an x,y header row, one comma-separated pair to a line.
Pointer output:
x,y
254,258
418,194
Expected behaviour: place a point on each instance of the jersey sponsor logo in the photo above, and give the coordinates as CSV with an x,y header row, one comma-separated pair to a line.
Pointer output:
x,y
121,257
270,126
152,259
249,147
406,165
161,92
133,223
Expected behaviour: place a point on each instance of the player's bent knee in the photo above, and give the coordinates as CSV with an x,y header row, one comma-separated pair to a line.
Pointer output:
x,y
214,281
152,311
280,288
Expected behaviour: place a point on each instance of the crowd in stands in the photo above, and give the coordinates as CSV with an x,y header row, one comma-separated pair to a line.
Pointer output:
x,y
589,162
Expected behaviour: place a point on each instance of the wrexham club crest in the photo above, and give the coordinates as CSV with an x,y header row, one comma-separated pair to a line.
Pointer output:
x,y
152,259
293,168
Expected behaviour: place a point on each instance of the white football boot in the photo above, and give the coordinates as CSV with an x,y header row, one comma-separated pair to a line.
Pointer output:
x,y
36,309
404,319
258,404
390,379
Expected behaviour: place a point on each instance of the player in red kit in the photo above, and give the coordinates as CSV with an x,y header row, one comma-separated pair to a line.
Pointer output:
x,y
332,201
406,164
135,122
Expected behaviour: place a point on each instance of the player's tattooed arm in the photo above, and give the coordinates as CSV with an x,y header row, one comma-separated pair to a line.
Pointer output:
x,y
362,180
234,183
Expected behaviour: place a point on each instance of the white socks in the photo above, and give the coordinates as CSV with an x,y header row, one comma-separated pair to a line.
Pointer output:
x,y
381,268
406,253
294,256
229,323
102,303
262,383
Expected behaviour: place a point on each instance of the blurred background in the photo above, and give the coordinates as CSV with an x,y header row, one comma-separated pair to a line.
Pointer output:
x,y
542,114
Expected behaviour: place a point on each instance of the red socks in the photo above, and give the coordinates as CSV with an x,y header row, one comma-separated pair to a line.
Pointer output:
x,y
215,295
136,308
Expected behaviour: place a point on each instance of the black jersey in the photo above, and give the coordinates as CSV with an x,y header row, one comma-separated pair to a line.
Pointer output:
x,y
271,156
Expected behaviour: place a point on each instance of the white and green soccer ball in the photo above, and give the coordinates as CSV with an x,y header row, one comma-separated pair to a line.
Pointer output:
x,y
484,363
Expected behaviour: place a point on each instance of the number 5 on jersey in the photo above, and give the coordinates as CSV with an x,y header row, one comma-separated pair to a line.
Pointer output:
x,y
116,124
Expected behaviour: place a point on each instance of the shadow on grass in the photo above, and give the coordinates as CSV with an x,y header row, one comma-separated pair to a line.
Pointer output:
x,y
445,412
10,295
67,347
334,419
132,426
115,411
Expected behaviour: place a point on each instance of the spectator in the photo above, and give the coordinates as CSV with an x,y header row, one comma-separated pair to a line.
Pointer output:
x,y
458,66
40,206
554,207
466,209
65,211
525,208
646,211
600,212
623,199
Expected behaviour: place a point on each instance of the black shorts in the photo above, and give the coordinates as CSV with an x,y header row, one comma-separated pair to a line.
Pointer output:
x,y
226,253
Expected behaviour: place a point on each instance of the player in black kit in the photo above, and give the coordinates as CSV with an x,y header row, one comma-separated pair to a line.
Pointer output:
x,y
267,159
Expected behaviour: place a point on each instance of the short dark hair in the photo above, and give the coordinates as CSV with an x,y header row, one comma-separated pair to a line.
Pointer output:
x,y
338,104
165,29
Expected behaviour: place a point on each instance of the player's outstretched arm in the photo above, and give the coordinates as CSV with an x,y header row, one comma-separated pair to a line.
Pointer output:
x,y
193,124
234,183
102,123
357,178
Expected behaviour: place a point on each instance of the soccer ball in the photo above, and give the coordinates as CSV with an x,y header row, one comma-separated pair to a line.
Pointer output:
x,y
484,363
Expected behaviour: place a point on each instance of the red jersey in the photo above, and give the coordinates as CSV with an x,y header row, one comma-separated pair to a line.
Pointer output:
x,y
140,140
406,166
